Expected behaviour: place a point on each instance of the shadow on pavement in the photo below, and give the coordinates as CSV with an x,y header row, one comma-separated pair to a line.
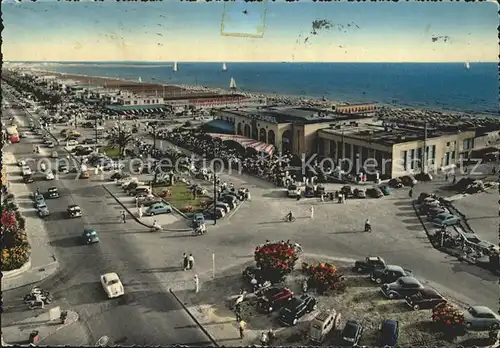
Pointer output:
x,y
68,242
88,293
276,194
162,269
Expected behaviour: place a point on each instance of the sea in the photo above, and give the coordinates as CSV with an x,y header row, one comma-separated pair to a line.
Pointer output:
x,y
441,86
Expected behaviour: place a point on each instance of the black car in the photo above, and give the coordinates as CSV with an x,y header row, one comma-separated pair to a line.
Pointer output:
x,y
404,286
388,333
274,298
369,264
425,299
351,334
52,192
389,274
347,191
309,191
358,193
433,212
395,183
296,308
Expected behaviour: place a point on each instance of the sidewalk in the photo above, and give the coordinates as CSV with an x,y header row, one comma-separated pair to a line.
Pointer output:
x,y
43,260
19,333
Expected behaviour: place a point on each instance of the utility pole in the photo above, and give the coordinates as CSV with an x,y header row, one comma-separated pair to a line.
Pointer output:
x,y
153,151
343,149
424,152
96,133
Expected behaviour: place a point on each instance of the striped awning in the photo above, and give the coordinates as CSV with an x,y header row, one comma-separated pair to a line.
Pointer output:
x,y
258,146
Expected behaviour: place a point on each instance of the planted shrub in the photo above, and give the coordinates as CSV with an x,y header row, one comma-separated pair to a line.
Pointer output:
x,y
276,260
324,277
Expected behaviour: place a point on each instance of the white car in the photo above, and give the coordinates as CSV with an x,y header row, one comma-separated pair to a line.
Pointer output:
x,y
72,143
55,154
21,163
112,285
49,176
293,191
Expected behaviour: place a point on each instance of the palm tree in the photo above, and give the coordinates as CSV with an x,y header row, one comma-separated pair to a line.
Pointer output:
x,y
121,139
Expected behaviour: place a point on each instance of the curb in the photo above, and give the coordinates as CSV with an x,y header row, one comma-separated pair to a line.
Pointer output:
x,y
126,209
194,319
66,324
15,272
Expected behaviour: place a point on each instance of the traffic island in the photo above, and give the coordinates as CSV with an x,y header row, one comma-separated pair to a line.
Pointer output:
x,y
182,198
37,328
357,299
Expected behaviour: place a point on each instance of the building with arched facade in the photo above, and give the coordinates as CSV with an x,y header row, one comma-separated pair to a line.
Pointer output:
x,y
289,129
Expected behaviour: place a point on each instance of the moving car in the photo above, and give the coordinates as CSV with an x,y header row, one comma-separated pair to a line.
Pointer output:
x,y
296,308
425,299
74,211
369,264
158,208
388,333
404,286
54,154
389,274
481,318
293,191
446,219
90,236
63,168
37,200
49,176
351,334
43,210
52,192
112,285
274,298
359,193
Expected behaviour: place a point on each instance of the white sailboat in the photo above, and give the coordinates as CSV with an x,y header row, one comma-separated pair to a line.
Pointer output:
x,y
467,65
175,66
232,84
224,67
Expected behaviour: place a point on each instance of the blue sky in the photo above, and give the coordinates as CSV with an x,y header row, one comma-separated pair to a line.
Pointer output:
x,y
187,31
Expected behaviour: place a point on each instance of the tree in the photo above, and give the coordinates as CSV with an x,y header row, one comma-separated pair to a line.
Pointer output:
x,y
276,260
121,140
324,277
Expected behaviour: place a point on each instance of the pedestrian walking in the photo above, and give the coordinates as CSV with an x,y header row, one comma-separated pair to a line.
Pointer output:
x,y
410,193
242,327
322,197
185,262
196,283
237,312
190,261
446,177
124,216
312,212
139,212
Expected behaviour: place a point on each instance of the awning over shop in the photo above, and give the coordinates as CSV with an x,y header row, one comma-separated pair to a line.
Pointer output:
x,y
258,146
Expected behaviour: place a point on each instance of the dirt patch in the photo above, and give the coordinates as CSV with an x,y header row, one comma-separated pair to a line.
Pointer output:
x,y
362,301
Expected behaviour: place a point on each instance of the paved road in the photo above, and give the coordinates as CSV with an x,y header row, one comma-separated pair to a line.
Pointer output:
x,y
147,314
398,236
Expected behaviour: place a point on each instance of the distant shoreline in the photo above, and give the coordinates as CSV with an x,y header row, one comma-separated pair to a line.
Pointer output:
x,y
292,100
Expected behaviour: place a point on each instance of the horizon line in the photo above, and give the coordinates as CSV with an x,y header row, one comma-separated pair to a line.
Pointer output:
x,y
238,62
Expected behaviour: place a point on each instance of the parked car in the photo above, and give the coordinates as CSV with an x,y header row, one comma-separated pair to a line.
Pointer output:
x,y
158,208
385,190
395,183
74,211
296,308
325,322
72,142
389,274
347,191
89,236
446,219
359,193
374,192
230,200
309,191
369,264
54,154
433,212
293,191
209,212
52,192
63,168
112,285
49,176
481,318
425,195
51,145
149,201
43,210
351,334
388,333
38,199
274,298
425,299
408,180
320,190
404,286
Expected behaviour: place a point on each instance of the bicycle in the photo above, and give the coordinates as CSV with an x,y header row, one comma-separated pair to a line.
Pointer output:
x,y
287,219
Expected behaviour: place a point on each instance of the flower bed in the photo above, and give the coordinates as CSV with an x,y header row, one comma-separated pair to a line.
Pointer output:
x,y
15,246
180,196
276,260
324,277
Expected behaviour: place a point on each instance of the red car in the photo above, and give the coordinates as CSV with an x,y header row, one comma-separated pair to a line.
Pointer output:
x,y
274,298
